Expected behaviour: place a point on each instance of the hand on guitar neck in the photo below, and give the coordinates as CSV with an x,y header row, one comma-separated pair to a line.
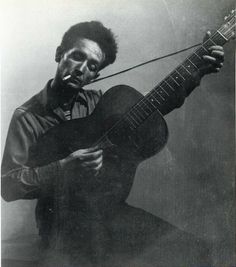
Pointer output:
x,y
213,62
210,62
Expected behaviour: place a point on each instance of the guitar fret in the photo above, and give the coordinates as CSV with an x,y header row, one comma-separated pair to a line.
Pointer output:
x,y
184,73
174,80
222,36
179,74
138,107
185,69
201,52
170,86
163,90
151,101
143,101
153,92
160,95
132,124
205,48
207,44
211,41
197,55
171,82
192,63
142,113
136,115
188,65
132,119
146,107
196,59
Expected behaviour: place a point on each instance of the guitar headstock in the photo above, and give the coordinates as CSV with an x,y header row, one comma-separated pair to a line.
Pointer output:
x,y
227,30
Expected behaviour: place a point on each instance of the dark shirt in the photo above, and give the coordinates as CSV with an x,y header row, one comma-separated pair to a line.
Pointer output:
x,y
29,122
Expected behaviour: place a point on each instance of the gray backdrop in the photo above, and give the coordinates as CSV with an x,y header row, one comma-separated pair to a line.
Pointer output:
x,y
190,182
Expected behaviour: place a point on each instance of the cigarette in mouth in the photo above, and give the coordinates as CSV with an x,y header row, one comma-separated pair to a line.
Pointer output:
x,y
66,77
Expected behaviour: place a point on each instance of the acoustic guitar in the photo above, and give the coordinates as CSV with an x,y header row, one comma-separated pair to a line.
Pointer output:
x,y
128,126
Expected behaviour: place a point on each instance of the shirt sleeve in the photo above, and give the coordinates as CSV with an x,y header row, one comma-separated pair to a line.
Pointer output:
x,y
18,180
176,100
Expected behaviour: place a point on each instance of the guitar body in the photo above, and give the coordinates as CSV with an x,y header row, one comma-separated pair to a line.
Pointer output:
x,y
123,150
147,139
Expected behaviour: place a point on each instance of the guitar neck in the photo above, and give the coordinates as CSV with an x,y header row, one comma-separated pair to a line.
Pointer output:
x,y
160,96
163,93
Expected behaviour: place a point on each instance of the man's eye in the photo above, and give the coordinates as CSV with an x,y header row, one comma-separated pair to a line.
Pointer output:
x,y
93,67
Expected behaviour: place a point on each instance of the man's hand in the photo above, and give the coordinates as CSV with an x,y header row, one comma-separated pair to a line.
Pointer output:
x,y
213,61
87,161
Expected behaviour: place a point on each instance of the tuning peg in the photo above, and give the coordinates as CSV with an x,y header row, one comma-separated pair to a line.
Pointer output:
x,y
233,11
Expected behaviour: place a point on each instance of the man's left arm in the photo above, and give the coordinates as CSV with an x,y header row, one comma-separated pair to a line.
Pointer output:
x,y
213,62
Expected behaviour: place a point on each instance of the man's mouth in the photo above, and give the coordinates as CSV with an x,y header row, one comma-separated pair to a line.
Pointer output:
x,y
73,79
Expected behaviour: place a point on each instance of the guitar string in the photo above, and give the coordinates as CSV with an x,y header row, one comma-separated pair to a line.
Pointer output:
x,y
103,138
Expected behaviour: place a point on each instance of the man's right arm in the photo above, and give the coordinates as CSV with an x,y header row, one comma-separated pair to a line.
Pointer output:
x,y
19,181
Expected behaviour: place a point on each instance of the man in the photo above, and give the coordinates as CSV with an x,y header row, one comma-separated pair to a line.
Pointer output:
x,y
79,228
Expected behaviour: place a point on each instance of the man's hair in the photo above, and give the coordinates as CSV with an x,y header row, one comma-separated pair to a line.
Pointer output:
x,y
95,31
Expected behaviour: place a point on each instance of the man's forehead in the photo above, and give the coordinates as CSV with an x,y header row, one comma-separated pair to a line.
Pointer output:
x,y
88,45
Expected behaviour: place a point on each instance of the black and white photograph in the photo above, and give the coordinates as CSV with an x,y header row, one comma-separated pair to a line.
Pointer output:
x,y
118,133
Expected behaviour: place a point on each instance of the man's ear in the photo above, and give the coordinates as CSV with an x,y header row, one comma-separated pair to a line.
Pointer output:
x,y
59,53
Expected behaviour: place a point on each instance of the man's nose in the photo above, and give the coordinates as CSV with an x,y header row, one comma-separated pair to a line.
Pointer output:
x,y
80,69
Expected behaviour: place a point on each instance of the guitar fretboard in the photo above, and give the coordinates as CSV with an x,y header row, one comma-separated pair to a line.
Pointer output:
x,y
159,97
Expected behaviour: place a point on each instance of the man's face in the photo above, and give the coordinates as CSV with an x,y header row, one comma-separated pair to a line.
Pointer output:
x,y
82,62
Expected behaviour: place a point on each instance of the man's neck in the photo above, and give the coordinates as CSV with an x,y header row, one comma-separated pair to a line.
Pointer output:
x,y
64,95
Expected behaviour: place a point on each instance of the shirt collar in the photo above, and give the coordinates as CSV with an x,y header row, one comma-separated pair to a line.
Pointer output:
x,y
51,98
